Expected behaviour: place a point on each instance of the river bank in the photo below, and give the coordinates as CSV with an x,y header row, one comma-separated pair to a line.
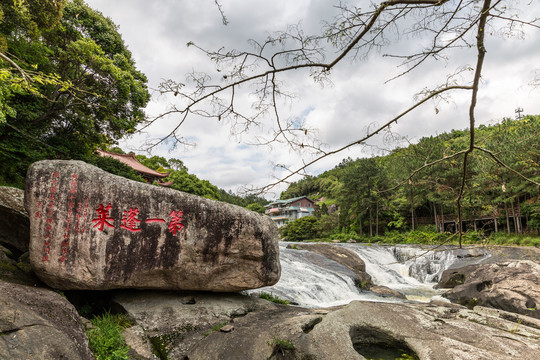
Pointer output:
x,y
427,236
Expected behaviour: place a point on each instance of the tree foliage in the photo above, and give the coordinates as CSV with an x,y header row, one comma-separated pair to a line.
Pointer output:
x,y
301,229
179,175
68,83
400,198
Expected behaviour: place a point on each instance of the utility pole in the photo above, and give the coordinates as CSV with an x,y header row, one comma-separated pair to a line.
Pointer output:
x,y
518,111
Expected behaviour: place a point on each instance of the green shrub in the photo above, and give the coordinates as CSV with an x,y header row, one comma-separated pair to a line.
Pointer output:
x,y
300,229
273,298
106,340
216,327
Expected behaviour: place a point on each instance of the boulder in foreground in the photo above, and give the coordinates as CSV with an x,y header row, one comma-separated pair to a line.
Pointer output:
x,y
187,324
93,230
37,323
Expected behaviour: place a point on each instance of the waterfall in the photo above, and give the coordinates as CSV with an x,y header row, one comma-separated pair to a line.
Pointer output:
x,y
311,280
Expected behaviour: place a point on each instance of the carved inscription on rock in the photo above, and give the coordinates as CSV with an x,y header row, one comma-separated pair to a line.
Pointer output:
x,y
94,230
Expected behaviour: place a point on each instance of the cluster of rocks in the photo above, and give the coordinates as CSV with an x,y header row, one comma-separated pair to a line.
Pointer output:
x,y
510,285
169,261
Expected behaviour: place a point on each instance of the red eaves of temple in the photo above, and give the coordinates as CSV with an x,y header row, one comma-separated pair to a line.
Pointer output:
x,y
132,162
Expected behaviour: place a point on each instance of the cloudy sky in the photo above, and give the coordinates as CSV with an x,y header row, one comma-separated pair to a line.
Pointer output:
x,y
356,100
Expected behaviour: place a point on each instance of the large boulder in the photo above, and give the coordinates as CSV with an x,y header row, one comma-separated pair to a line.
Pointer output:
x,y
14,222
40,324
93,230
512,286
383,330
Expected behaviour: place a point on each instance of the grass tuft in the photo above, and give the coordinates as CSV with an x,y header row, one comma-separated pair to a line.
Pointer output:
x,y
106,340
273,298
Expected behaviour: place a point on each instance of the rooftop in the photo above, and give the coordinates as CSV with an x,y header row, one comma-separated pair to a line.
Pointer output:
x,y
288,201
132,162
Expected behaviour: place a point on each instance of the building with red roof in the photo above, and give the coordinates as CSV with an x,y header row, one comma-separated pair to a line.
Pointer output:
x,y
130,160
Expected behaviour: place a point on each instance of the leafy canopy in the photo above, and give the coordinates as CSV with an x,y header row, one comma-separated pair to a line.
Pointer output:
x,y
69,84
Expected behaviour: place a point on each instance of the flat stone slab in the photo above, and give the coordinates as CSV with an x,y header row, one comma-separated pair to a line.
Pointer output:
x,y
96,231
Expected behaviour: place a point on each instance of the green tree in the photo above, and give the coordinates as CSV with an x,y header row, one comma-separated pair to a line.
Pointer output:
x,y
157,163
301,229
182,180
103,102
24,19
190,183
256,207
359,194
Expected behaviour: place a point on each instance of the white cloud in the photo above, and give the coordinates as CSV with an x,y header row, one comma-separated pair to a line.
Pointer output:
x,y
156,32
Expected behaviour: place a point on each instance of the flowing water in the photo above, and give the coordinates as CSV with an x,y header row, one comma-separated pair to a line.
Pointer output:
x,y
312,280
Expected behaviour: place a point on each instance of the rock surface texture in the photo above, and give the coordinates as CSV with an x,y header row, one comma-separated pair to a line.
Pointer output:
x,y
187,325
93,230
14,222
511,286
39,324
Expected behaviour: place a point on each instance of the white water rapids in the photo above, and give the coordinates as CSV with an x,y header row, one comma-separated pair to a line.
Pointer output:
x,y
311,280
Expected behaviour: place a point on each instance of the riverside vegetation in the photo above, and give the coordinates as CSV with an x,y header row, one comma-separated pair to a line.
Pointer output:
x,y
385,199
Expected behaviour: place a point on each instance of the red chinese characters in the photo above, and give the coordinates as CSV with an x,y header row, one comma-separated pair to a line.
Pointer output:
x,y
71,205
175,224
155,221
103,217
82,211
48,223
130,219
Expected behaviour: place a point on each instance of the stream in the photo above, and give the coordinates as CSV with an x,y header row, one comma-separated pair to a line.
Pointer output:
x,y
312,280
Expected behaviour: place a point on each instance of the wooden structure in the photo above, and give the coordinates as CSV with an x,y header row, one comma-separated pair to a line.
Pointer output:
x,y
130,160
486,222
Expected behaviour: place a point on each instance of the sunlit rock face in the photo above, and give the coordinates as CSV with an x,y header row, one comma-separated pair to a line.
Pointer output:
x,y
93,230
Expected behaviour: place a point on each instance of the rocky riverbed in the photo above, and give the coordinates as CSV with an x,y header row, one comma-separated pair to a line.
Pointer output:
x,y
40,322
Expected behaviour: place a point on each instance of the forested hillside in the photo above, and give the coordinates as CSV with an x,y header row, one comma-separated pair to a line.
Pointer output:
x,y
411,187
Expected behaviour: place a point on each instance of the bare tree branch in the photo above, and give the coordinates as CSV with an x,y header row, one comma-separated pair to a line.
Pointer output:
x,y
477,74
449,25
368,136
